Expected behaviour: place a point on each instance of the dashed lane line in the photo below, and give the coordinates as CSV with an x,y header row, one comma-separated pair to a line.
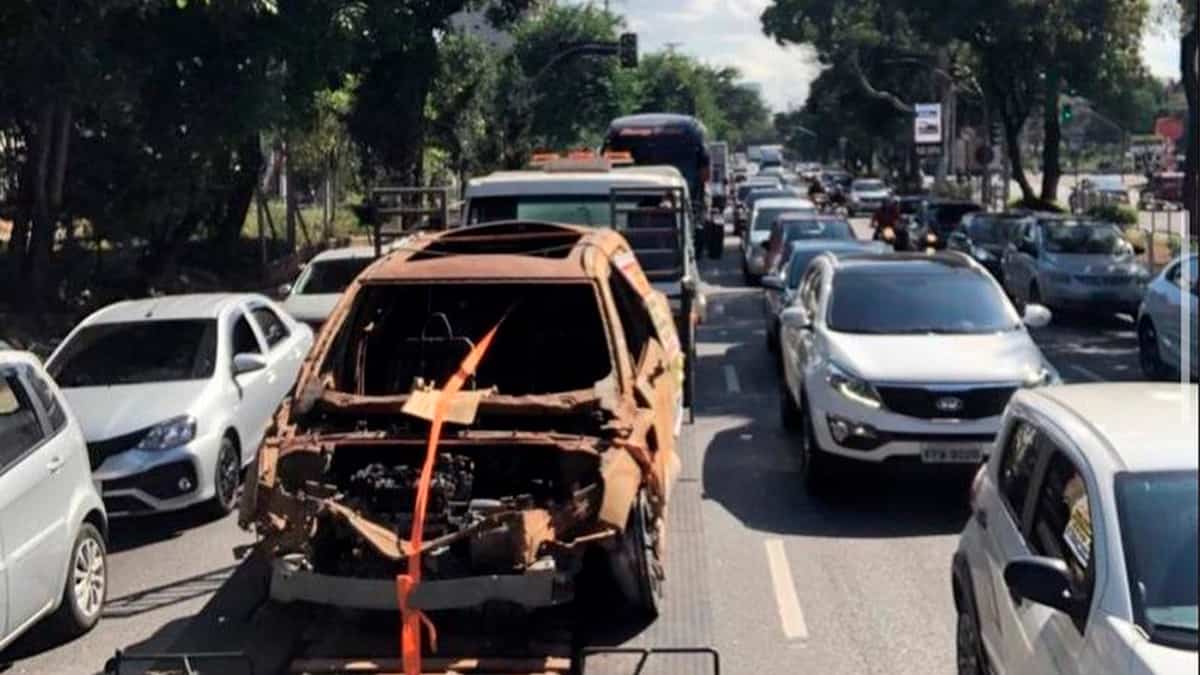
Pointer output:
x,y
790,615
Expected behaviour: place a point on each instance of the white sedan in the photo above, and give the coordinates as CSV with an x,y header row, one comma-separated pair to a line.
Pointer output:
x,y
320,283
902,357
1171,295
174,394
1080,554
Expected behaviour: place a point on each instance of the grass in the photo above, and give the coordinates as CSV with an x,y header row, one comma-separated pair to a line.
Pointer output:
x,y
345,224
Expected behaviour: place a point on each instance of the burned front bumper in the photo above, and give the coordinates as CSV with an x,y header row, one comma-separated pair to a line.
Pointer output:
x,y
541,585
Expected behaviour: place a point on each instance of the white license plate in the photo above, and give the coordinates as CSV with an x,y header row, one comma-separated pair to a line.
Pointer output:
x,y
951,455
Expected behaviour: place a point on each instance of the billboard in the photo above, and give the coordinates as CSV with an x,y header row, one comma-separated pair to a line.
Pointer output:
x,y
927,123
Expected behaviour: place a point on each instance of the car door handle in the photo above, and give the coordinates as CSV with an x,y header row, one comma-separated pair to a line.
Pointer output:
x,y
981,517
55,464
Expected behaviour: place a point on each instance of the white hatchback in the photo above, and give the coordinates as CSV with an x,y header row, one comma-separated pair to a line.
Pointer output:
x,y
174,394
321,282
1080,555
1171,296
52,522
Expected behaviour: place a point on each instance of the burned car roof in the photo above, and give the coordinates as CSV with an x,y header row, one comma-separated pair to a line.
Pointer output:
x,y
505,250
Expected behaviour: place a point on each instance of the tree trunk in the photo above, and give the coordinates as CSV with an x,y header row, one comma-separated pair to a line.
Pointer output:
x,y
1051,168
1190,66
1012,139
41,234
237,206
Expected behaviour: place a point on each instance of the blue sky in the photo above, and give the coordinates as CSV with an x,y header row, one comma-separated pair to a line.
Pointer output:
x,y
728,32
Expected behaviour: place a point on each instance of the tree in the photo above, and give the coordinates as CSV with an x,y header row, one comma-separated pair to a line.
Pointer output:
x,y
1189,61
673,83
458,106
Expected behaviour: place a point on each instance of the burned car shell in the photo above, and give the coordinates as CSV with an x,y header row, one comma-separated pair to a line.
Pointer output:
x,y
610,445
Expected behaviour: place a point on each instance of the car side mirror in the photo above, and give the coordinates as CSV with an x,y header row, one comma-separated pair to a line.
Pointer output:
x,y
773,282
248,363
1045,581
796,318
1036,316
284,290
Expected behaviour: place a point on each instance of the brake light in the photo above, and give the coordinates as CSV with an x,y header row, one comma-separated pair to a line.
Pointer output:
x,y
618,157
540,158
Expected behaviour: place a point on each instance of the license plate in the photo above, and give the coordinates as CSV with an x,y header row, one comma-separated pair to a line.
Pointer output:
x,y
951,455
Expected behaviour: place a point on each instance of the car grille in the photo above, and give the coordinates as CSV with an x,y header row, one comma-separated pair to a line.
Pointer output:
x,y
162,481
1090,280
926,403
98,451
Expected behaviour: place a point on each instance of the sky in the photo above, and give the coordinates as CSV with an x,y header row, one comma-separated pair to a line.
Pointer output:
x,y
728,33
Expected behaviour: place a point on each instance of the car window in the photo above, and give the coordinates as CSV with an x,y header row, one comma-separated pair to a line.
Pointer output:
x,y
1017,464
330,276
55,414
1062,522
273,328
244,339
20,430
635,321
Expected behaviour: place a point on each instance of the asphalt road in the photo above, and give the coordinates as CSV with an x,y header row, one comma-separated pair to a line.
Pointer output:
x,y
777,581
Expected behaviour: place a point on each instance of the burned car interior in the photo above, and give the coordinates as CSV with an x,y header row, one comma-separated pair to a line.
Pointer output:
x,y
549,450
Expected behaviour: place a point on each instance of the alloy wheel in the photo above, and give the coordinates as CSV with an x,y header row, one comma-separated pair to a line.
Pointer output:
x,y
88,577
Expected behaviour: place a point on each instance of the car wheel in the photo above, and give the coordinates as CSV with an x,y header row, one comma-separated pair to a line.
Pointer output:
x,y
789,414
636,565
968,646
86,587
1148,354
227,477
815,464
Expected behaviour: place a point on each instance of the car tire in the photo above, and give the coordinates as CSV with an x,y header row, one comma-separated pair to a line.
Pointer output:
x,y
969,654
227,478
1149,356
636,564
86,587
789,413
816,465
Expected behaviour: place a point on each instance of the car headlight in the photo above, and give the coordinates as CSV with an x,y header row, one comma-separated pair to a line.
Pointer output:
x,y
1042,376
857,390
169,434
981,254
1059,277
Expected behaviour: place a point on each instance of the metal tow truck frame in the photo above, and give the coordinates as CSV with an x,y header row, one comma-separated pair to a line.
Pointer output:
x,y
673,204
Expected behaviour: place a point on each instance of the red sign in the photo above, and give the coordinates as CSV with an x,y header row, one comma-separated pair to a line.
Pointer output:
x,y
1169,127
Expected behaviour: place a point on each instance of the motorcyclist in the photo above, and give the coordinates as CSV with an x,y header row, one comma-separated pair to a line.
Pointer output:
x,y
817,194
886,224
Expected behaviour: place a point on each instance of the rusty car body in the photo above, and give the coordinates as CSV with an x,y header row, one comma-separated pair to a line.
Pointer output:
x,y
562,443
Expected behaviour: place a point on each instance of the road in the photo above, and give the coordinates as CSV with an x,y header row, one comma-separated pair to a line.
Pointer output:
x,y
776,580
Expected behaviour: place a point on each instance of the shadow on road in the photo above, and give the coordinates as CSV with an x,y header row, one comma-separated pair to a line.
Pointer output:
x,y
181,590
126,534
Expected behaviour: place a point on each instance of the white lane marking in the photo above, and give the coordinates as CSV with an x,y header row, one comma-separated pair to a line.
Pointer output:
x,y
731,380
790,614
1091,375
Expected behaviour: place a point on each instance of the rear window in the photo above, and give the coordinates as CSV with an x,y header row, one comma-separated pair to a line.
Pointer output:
x,y
330,276
878,302
824,228
765,217
553,337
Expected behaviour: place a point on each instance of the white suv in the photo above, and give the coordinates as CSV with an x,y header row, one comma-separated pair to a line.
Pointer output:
x,y
52,522
1080,554
902,357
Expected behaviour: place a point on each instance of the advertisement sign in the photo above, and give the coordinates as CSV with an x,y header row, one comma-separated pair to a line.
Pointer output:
x,y
927,124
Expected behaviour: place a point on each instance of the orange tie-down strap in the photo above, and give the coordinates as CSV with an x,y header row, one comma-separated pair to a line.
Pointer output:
x,y
411,620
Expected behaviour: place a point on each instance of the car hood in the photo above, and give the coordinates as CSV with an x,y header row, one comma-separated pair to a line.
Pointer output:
x,y
1151,658
311,308
108,412
948,359
1075,263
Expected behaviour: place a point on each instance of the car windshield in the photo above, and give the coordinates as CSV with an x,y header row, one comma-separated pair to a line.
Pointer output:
x,y
589,210
330,276
1158,518
917,303
138,352
1084,238
815,228
990,229
868,185
766,216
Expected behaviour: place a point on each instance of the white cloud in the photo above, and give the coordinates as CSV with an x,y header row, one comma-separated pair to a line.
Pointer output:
x,y
723,33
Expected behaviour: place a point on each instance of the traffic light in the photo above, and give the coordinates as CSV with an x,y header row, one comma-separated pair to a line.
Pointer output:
x,y
627,50
1068,113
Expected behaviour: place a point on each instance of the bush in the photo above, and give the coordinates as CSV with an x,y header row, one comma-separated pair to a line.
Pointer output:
x,y
1114,213
1035,205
